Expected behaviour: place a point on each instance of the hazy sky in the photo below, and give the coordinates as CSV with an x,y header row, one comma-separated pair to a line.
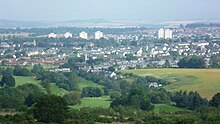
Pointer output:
x,y
152,10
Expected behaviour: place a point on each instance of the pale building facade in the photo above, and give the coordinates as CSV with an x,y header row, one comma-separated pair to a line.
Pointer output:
x,y
98,35
83,35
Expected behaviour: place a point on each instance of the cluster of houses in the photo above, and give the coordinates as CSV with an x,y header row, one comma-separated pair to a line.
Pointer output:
x,y
148,55
196,41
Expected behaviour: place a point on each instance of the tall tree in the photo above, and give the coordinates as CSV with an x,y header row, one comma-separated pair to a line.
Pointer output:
x,y
38,69
50,108
215,101
167,64
7,78
192,62
91,92
136,98
21,71
72,98
215,61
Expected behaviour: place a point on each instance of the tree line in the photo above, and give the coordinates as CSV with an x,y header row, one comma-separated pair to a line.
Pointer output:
x,y
199,62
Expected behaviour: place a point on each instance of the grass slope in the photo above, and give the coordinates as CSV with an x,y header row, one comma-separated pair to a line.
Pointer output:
x,y
86,83
20,80
164,108
205,81
94,102
55,90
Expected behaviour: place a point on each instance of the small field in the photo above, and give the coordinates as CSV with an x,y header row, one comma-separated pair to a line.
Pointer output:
x,y
57,90
205,81
20,80
94,102
164,108
86,83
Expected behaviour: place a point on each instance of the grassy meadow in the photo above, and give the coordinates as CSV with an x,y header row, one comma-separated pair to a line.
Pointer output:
x,y
86,83
164,108
20,80
205,81
103,102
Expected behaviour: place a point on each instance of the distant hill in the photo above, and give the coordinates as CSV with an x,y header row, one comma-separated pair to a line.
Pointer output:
x,y
103,23
196,25
204,81
77,23
23,24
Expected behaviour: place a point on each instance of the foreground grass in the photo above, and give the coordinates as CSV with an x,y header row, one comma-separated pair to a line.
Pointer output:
x,y
164,108
103,102
204,81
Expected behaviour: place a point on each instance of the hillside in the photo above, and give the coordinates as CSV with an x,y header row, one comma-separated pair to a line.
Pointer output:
x,y
21,80
205,81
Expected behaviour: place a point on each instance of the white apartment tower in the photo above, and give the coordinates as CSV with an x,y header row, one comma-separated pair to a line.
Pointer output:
x,y
168,34
98,35
165,34
83,35
161,33
52,35
68,35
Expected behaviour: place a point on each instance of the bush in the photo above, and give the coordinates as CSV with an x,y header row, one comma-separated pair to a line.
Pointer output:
x,y
50,108
7,78
115,94
215,101
72,98
91,92
192,62
21,71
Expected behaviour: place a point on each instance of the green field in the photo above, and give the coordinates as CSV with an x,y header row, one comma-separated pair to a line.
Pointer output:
x,y
57,90
85,102
164,108
86,83
94,102
205,81
20,80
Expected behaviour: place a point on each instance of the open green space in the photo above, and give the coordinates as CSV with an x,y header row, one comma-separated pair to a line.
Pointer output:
x,y
86,83
20,80
57,90
164,108
204,81
93,102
